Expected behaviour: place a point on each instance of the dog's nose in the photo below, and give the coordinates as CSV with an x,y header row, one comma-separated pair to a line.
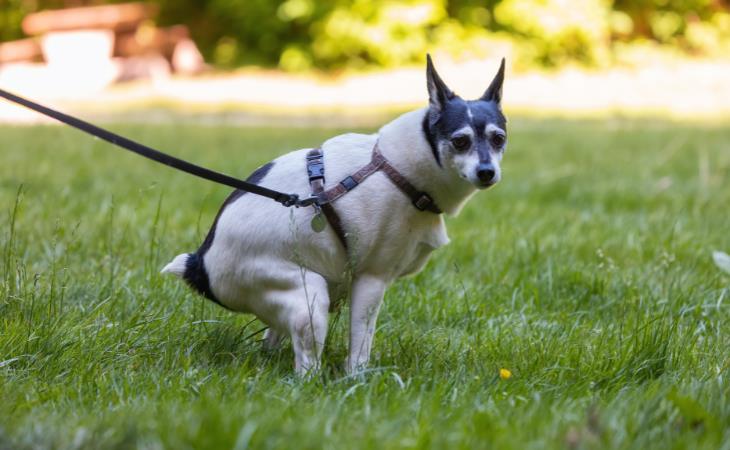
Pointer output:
x,y
486,173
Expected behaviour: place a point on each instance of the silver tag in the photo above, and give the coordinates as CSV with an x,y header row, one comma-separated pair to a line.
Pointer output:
x,y
318,221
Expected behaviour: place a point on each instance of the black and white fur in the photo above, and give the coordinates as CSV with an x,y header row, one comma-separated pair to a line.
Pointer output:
x,y
264,259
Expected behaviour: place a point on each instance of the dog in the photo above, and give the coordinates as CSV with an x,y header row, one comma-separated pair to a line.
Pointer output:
x,y
271,261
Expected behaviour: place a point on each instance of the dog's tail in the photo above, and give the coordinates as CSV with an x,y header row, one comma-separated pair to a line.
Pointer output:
x,y
178,265
190,267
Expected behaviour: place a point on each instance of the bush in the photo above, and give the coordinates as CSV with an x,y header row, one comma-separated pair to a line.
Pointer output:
x,y
557,31
301,34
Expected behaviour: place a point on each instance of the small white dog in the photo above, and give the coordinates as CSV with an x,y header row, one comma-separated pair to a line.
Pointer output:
x,y
285,265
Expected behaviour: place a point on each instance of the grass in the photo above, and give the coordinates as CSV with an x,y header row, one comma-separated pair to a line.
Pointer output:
x,y
587,273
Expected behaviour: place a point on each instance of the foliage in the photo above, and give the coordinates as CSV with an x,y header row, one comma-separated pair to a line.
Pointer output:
x,y
587,273
300,34
557,31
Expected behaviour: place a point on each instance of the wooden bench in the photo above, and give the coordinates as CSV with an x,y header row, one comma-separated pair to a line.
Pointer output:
x,y
97,37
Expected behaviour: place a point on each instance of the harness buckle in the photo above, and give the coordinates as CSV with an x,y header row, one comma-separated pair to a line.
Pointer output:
x,y
349,183
315,169
423,202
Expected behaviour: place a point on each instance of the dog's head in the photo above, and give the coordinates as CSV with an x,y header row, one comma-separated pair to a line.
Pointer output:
x,y
467,136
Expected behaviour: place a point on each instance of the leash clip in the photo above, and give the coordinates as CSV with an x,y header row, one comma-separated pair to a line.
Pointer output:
x,y
290,200
309,201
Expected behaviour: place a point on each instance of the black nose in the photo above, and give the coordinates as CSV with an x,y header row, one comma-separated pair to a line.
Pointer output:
x,y
485,173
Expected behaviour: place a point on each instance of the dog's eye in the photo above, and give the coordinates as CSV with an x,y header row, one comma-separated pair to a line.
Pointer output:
x,y
498,140
461,143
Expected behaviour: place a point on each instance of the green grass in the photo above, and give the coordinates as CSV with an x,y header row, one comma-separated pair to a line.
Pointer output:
x,y
587,272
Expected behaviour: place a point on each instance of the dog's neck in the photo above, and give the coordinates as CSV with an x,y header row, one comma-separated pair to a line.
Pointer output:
x,y
405,145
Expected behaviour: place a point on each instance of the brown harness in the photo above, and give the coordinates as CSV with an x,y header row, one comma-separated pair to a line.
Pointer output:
x,y
315,169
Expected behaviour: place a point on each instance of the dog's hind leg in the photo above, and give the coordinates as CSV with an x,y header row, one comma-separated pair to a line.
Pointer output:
x,y
367,296
308,313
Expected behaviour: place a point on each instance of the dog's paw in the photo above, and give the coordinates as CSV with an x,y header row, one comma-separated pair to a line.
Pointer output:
x,y
353,368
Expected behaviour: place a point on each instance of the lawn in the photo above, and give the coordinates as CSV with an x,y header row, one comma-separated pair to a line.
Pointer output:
x,y
587,273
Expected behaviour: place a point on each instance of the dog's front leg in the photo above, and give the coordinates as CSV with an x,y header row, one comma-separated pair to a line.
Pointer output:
x,y
367,295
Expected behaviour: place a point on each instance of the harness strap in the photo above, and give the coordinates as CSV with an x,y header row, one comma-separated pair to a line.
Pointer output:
x,y
315,170
420,199
351,182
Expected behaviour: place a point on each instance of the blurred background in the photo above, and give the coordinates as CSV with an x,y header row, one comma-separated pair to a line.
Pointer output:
x,y
309,59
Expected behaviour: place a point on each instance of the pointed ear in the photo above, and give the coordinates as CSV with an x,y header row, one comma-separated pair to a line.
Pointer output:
x,y
494,91
438,92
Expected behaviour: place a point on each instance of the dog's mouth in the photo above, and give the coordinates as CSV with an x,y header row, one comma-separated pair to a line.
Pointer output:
x,y
484,185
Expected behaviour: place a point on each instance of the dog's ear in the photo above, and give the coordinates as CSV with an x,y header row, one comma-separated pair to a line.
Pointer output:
x,y
494,91
438,93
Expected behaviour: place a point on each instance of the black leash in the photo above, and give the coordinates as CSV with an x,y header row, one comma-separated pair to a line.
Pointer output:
x,y
163,158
